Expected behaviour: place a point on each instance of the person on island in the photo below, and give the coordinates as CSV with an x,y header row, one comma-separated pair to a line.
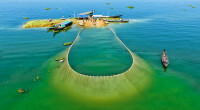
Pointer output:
x,y
49,19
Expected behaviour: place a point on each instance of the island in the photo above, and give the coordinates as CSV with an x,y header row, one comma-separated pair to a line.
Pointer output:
x,y
86,19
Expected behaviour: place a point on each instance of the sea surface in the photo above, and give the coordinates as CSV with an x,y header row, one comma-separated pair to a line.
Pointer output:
x,y
154,25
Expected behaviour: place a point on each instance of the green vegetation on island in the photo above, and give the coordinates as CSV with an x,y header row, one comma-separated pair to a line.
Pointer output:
x,y
189,5
45,23
67,43
131,7
111,8
47,8
108,3
26,18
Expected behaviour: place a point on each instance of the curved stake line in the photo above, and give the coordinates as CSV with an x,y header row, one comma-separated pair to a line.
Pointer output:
x,y
100,76
102,88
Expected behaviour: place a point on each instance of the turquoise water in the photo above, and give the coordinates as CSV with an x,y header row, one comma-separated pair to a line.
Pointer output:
x,y
154,25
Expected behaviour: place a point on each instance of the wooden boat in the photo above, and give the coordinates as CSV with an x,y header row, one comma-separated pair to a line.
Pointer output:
x,y
119,21
62,18
62,25
87,13
164,59
58,31
117,16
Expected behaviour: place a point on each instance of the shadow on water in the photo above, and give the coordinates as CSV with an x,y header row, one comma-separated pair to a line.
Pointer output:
x,y
58,31
165,68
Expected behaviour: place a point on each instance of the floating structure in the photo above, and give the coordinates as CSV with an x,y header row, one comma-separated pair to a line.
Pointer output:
x,y
131,7
26,18
67,43
47,8
20,91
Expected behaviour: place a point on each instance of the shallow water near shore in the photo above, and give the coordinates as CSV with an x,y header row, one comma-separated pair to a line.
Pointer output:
x,y
154,25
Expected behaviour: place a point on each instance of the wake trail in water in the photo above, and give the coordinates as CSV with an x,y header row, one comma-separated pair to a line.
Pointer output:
x,y
139,20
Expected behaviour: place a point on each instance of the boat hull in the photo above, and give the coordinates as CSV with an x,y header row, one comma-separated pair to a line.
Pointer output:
x,y
60,28
165,61
117,16
118,21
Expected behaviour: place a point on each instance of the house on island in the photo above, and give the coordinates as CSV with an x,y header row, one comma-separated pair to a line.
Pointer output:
x,y
85,15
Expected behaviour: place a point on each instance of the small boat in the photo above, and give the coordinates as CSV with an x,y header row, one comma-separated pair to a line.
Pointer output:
x,y
61,25
164,59
87,13
63,18
117,16
119,21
